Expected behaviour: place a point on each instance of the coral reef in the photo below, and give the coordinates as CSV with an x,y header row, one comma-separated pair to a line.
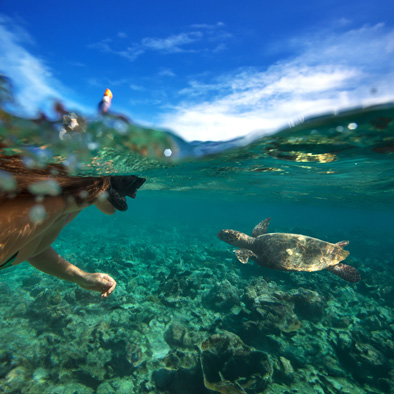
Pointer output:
x,y
192,320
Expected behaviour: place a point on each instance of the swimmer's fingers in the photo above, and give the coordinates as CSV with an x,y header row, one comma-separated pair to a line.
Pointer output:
x,y
110,282
99,282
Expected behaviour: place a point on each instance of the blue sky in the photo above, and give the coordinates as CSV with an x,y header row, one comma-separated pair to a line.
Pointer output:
x,y
208,70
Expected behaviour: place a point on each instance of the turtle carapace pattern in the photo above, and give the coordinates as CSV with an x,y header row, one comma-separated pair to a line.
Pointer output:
x,y
290,252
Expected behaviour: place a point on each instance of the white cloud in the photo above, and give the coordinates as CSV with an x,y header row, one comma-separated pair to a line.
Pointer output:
x,y
207,26
175,43
76,64
171,44
137,88
166,72
25,70
33,81
330,73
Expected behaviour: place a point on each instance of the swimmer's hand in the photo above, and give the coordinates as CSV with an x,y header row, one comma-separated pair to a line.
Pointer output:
x,y
98,282
50,262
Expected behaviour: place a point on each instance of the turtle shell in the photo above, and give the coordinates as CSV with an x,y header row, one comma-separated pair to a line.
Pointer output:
x,y
296,252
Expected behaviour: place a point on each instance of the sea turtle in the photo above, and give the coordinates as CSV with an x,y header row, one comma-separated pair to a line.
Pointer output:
x,y
290,252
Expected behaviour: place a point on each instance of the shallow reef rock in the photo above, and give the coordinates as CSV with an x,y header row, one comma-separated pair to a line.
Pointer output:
x,y
230,366
308,304
284,371
71,388
224,364
267,311
15,379
178,336
191,320
118,386
180,283
175,335
181,374
370,366
222,297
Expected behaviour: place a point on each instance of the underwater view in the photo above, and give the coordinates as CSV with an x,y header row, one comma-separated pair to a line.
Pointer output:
x,y
188,315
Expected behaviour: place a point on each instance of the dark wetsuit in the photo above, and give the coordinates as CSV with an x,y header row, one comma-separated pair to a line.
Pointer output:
x,y
9,262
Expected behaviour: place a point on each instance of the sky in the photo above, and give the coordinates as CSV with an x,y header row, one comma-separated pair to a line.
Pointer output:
x,y
206,70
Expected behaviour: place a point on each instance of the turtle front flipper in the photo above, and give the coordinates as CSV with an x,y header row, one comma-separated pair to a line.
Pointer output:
x,y
243,255
342,244
344,271
261,228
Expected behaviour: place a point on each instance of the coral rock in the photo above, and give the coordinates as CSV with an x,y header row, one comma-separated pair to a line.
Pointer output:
x,y
309,305
230,366
222,297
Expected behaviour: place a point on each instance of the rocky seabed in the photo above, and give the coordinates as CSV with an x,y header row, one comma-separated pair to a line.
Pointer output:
x,y
192,320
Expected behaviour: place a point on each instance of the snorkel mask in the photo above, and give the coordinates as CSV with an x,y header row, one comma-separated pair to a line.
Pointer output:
x,y
122,186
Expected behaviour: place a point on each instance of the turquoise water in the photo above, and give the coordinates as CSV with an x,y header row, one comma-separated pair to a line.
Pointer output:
x,y
187,316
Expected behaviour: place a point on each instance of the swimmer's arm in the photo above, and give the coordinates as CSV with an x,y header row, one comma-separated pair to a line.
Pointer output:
x,y
53,264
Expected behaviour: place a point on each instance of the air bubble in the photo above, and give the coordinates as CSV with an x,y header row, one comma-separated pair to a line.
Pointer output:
x,y
352,126
83,194
37,214
72,164
121,127
7,181
49,187
167,152
103,196
29,162
93,145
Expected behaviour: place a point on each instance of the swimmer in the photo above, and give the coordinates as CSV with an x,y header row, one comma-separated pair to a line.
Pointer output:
x,y
33,214
105,103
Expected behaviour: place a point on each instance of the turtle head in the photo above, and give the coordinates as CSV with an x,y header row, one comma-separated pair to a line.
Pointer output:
x,y
232,237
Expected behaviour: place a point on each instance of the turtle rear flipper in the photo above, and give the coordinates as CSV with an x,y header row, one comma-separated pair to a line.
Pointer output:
x,y
261,228
243,255
342,244
344,271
